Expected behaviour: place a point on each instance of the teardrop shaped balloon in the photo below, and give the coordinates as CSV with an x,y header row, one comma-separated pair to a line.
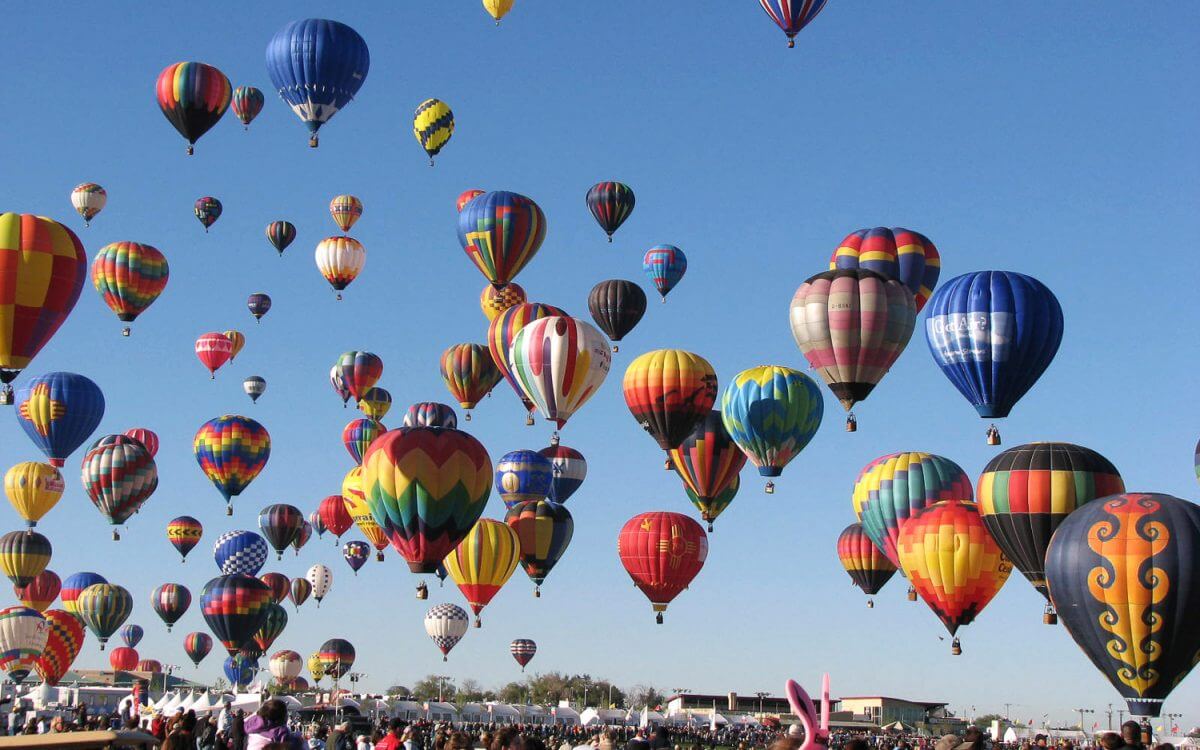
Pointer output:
x,y
318,525
792,15
544,530
302,536
426,487
235,606
45,266
501,232
375,403
129,276
41,592
495,300
993,334
522,650
239,670
317,66
611,203
246,103
771,412
258,304
617,306
240,552
124,659
23,633
301,589
665,265
119,479
483,562
34,489
708,462
320,579
285,666
238,339
902,254
358,434
356,554
337,657
504,329
279,584
446,624
64,639
170,601
334,515
430,414
213,350
867,567
359,372
192,96
669,392
345,210
469,373
560,363
207,209
197,645
184,533
24,555
281,234
280,524
569,469
1122,572
74,585
231,451
498,9
148,439
523,475
340,260
88,199
272,627
254,386
360,512
662,552
103,608
433,124
59,411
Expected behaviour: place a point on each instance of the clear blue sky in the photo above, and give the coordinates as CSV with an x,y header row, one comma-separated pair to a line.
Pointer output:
x,y
1055,139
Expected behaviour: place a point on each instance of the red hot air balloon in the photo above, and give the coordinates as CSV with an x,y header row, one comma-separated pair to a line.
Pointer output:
x,y
213,350
280,585
41,592
335,516
123,659
146,437
662,552
359,371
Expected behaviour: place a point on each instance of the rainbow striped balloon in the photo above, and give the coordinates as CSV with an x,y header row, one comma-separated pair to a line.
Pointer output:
x,y
231,451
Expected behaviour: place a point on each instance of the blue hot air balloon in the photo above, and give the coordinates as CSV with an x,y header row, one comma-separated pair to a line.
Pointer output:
x,y
317,66
240,552
240,669
522,476
665,265
59,411
993,333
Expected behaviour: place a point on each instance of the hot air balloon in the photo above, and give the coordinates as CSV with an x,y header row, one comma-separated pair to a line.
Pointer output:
x,y
993,333
317,66
320,580
544,529
123,659
901,254
272,627
469,374
58,411
360,512
771,412
33,489
170,601
315,667
88,199
466,197
254,386
25,554
281,234
238,339
148,439
504,329
298,685
708,462
522,649
356,554
279,584
208,210
239,669
662,552
426,486
851,325
197,645
301,589
240,552
41,592
44,265
64,638
345,210
103,608
866,565
501,232
235,606
446,624
302,536
213,350
340,259
337,657
495,300
569,469
23,633
617,305
665,265
433,124
335,516
560,363
119,479
339,387
184,534
1026,492
231,451
497,9
153,666
430,414
669,392
792,15
280,524
1122,572
318,525
285,666
193,97
258,304
73,586
247,102
358,434
375,403
892,488
610,204
523,475
952,562
359,371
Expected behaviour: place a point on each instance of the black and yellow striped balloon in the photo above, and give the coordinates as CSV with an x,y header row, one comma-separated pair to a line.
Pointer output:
x,y
23,556
433,124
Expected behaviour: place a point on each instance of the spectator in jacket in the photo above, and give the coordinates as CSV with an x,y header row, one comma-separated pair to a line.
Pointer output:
x,y
269,727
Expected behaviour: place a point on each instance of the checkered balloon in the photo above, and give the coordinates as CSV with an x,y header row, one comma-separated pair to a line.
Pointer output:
x,y
240,552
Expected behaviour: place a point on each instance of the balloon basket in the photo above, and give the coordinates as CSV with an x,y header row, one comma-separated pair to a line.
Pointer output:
x,y
190,151
478,622
312,142
870,604
229,510
912,594
6,395
610,239
851,423
667,464
956,648
791,44
529,420
116,535
468,418
125,331
554,439
993,435
338,297
1049,617
710,528
445,658
769,488
378,556
658,618
616,348
537,592
422,592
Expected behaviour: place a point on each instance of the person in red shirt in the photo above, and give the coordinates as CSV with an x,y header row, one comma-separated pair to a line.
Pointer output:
x,y
394,739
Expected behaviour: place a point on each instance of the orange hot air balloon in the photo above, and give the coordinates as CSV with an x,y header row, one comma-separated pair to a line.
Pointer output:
x,y
358,510
866,565
345,210
494,301
238,339
952,561
669,392
469,373
43,267
662,552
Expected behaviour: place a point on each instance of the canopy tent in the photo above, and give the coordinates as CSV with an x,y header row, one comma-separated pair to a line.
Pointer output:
x,y
682,719
290,701
565,715
898,726
407,710
441,711
745,720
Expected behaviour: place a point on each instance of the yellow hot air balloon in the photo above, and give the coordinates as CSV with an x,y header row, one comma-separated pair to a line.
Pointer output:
x,y
238,340
484,561
316,667
360,512
497,9
33,489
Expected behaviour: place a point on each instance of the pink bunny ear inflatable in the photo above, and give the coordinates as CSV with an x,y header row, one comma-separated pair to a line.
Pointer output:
x,y
816,728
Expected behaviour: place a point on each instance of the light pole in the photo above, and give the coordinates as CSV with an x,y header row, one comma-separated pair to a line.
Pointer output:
x,y
760,696
585,689
1109,714
1170,724
1083,711
1006,711
441,683
1120,716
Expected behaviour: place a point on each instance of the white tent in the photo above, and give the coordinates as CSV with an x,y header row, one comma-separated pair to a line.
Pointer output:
x,y
188,701
1016,734
163,700
533,714
565,715
290,702
171,705
407,710
745,720
348,702
681,719
643,717
718,719
441,711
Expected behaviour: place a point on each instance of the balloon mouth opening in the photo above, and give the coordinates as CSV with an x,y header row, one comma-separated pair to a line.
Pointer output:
x,y
422,568
769,471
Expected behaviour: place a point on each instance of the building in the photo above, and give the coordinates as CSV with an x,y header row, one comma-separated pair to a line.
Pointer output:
x,y
768,705
883,711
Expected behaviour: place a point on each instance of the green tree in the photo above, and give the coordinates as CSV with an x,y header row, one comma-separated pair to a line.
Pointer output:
x,y
986,720
427,688
398,691
645,696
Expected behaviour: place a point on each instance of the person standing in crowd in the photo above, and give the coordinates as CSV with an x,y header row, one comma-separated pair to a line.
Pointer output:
x,y
660,739
237,730
1131,733
638,742
268,727
394,739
